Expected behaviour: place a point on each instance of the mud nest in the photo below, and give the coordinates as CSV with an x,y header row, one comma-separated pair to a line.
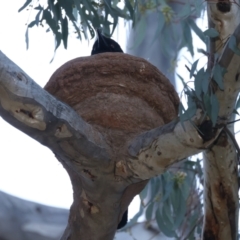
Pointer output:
x,y
121,95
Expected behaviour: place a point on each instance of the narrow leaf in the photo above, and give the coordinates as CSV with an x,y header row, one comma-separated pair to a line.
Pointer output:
x,y
205,82
149,211
211,32
185,11
215,109
24,5
130,8
31,24
197,30
198,83
233,45
64,31
218,73
194,66
162,226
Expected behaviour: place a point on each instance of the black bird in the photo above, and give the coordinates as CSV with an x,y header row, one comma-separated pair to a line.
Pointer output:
x,y
102,45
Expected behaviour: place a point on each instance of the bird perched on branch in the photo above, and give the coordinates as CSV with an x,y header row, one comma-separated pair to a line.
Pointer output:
x,y
102,45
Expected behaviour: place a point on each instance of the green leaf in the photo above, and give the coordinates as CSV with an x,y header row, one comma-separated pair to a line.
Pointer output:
x,y
130,8
167,215
207,104
237,103
144,192
205,82
188,37
198,8
198,83
149,211
167,183
194,66
64,22
67,6
196,29
52,24
24,5
58,38
233,45
214,108
37,18
190,112
211,32
235,112
186,11
180,213
39,7
162,226
218,73
153,184
31,24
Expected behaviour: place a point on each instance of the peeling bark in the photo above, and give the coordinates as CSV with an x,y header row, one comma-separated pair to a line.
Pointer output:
x,y
220,161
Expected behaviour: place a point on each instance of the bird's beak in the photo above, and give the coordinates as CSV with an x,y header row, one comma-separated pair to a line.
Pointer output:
x,y
101,38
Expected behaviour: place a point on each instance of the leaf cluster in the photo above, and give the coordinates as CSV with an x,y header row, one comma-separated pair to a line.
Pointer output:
x,y
86,15
205,83
173,201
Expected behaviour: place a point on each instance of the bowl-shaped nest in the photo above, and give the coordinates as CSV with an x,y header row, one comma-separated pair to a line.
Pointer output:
x,y
119,94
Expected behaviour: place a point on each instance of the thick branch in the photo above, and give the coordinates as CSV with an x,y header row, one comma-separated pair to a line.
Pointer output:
x,y
220,162
32,110
155,150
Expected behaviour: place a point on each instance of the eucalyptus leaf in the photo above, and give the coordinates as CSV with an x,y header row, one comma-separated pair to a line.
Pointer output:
x,y
198,83
185,11
233,45
218,73
237,103
167,183
144,192
193,69
24,5
196,29
149,211
205,82
190,112
167,215
31,24
211,32
65,31
214,108
130,8
207,104
58,38
162,226
188,37
37,18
